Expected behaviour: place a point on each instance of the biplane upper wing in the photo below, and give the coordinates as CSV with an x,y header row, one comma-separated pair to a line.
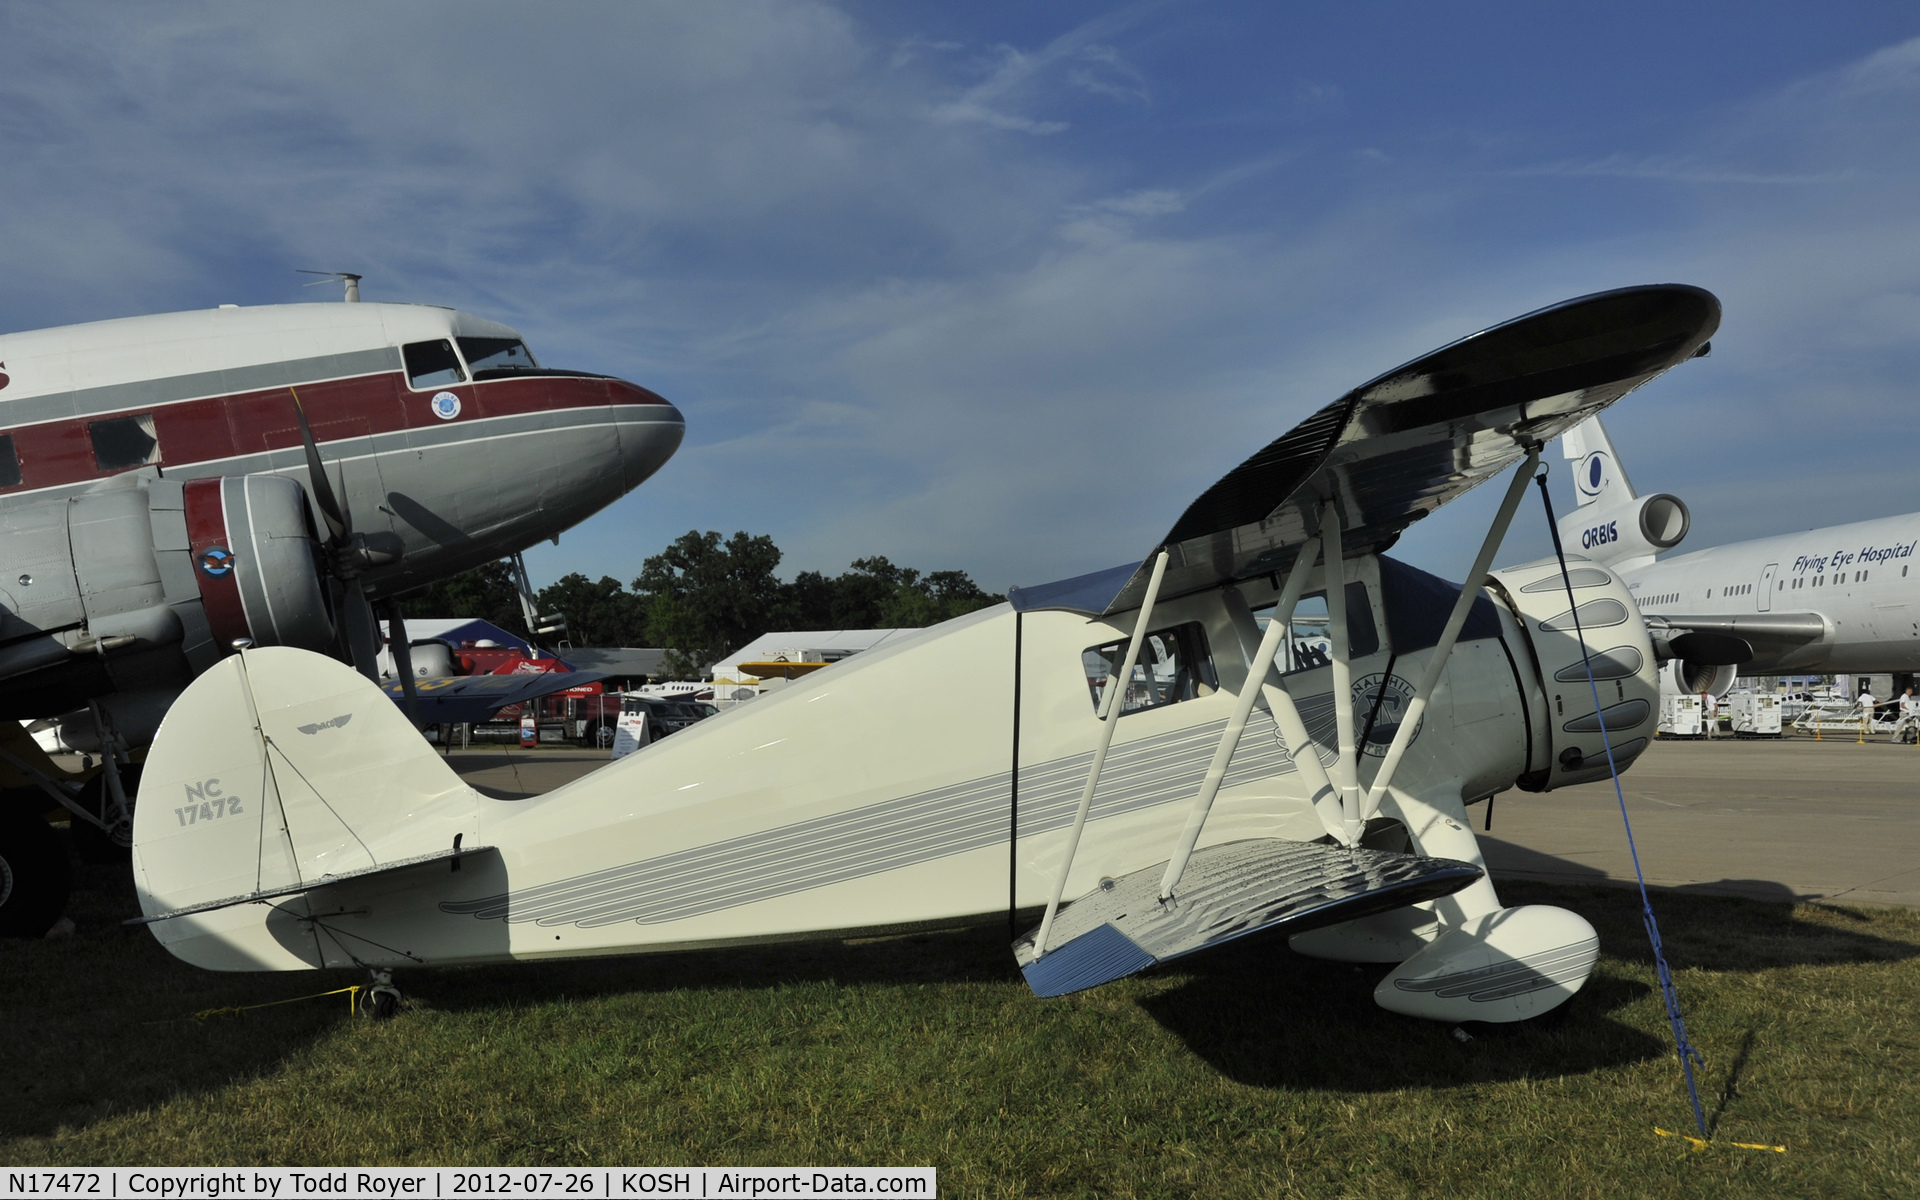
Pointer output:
x,y
1397,447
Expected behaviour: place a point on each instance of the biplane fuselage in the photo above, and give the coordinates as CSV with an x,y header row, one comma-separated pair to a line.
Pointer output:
x,y
1129,749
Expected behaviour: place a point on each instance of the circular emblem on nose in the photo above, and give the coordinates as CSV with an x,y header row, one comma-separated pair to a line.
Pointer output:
x,y
216,561
446,406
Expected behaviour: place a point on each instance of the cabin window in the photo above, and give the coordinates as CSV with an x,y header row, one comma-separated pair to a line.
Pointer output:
x,y
493,358
9,462
1173,666
124,442
432,364
1309,643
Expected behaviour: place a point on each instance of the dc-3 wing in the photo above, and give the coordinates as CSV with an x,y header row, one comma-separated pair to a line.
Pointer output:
x,y
1396,448
465,698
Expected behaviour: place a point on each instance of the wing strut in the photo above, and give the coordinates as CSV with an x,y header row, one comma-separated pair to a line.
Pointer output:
x,y
1277,629
1116,691
1443,649
1347,769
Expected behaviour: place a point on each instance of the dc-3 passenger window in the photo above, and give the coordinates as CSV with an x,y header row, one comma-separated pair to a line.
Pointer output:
x,y
432,364
1310,643
1173,666
496,358
9,462
124,442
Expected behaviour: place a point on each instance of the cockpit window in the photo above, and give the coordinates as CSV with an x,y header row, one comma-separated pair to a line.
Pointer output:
x,y
1173,666
9,462
432,364
492,357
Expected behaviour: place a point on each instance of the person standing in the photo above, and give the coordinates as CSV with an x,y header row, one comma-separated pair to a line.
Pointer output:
x,y
1866,708
1909,715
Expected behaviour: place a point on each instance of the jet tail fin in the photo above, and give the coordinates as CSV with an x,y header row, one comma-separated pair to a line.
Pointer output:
x,y
278,771
1598,477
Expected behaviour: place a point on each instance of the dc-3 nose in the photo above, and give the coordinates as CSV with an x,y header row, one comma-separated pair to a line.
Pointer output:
x,y
647,427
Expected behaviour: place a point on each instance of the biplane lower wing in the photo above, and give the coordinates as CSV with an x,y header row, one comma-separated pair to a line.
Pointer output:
x,y
1227,892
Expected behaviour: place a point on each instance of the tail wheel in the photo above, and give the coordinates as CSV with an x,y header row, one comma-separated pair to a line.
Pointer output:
x,y
34,877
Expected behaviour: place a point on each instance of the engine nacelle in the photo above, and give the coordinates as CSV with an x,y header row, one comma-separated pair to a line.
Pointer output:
x,y
1639,529
134,587
257,562
1568,746
1679,677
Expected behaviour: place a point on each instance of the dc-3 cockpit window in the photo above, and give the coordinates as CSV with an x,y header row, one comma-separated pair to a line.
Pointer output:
x,y
432,364
494,358
1173,666
9,462
1309,642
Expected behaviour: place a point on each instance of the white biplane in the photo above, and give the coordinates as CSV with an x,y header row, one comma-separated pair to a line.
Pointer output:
x,y
1128,753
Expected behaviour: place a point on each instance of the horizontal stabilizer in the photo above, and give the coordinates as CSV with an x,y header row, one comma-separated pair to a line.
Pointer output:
x,y
1227,892
294,889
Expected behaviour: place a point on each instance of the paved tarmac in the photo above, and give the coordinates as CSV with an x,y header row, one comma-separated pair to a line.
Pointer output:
x,y
1773,820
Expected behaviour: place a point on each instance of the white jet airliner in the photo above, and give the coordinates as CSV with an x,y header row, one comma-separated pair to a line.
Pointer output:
x,y
1843,598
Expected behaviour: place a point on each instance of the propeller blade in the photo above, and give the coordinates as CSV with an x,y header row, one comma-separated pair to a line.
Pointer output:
x,y
338,523
363,635
403,658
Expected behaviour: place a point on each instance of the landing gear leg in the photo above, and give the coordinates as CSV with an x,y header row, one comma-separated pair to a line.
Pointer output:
x,y
381,1000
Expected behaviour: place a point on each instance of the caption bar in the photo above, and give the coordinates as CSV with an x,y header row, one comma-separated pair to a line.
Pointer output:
x,y
444,1183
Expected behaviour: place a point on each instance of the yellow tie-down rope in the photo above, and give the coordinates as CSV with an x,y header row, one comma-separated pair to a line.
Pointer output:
x,y
353,1003
1696,1145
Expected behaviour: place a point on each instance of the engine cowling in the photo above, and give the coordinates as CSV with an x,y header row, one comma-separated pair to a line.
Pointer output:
x,y
1566,727
256,561
1640,529
134,587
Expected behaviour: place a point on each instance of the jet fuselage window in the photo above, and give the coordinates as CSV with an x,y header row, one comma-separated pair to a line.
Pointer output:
x,y
123,442
496,358
1173,666
432,364
9,462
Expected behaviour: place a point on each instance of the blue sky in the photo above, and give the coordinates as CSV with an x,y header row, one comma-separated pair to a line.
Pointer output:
x,y
1003,286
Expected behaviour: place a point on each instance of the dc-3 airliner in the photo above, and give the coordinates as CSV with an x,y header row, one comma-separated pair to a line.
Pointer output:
x,y
175,486
1124,754
1842,598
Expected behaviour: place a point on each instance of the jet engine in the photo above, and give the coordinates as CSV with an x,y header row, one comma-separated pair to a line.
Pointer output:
x,y
1680,677
1638,529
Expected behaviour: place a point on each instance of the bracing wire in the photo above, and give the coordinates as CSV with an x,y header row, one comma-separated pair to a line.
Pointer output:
x,y
1689,1057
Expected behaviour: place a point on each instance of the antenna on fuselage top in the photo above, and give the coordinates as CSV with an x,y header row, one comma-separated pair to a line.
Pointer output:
x,y
347,277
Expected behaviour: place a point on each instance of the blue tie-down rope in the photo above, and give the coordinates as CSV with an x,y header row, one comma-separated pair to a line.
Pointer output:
x,y
1688,1055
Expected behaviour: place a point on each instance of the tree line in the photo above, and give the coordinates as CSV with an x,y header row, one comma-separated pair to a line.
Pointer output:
x,y
704,596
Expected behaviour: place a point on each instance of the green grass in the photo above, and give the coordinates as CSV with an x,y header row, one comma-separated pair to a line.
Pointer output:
x,y
1251,1072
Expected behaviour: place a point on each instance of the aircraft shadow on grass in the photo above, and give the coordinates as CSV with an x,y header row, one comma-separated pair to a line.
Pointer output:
x,y
1266,1017
1255,1011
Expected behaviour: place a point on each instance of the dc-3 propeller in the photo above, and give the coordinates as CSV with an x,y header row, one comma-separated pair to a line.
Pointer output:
x,y
348,555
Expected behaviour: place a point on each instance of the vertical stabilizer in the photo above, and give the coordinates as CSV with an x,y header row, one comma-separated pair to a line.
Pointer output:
x,y
1598,476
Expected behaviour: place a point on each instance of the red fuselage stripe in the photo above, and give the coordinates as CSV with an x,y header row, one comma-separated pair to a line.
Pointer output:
x,y
53,453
